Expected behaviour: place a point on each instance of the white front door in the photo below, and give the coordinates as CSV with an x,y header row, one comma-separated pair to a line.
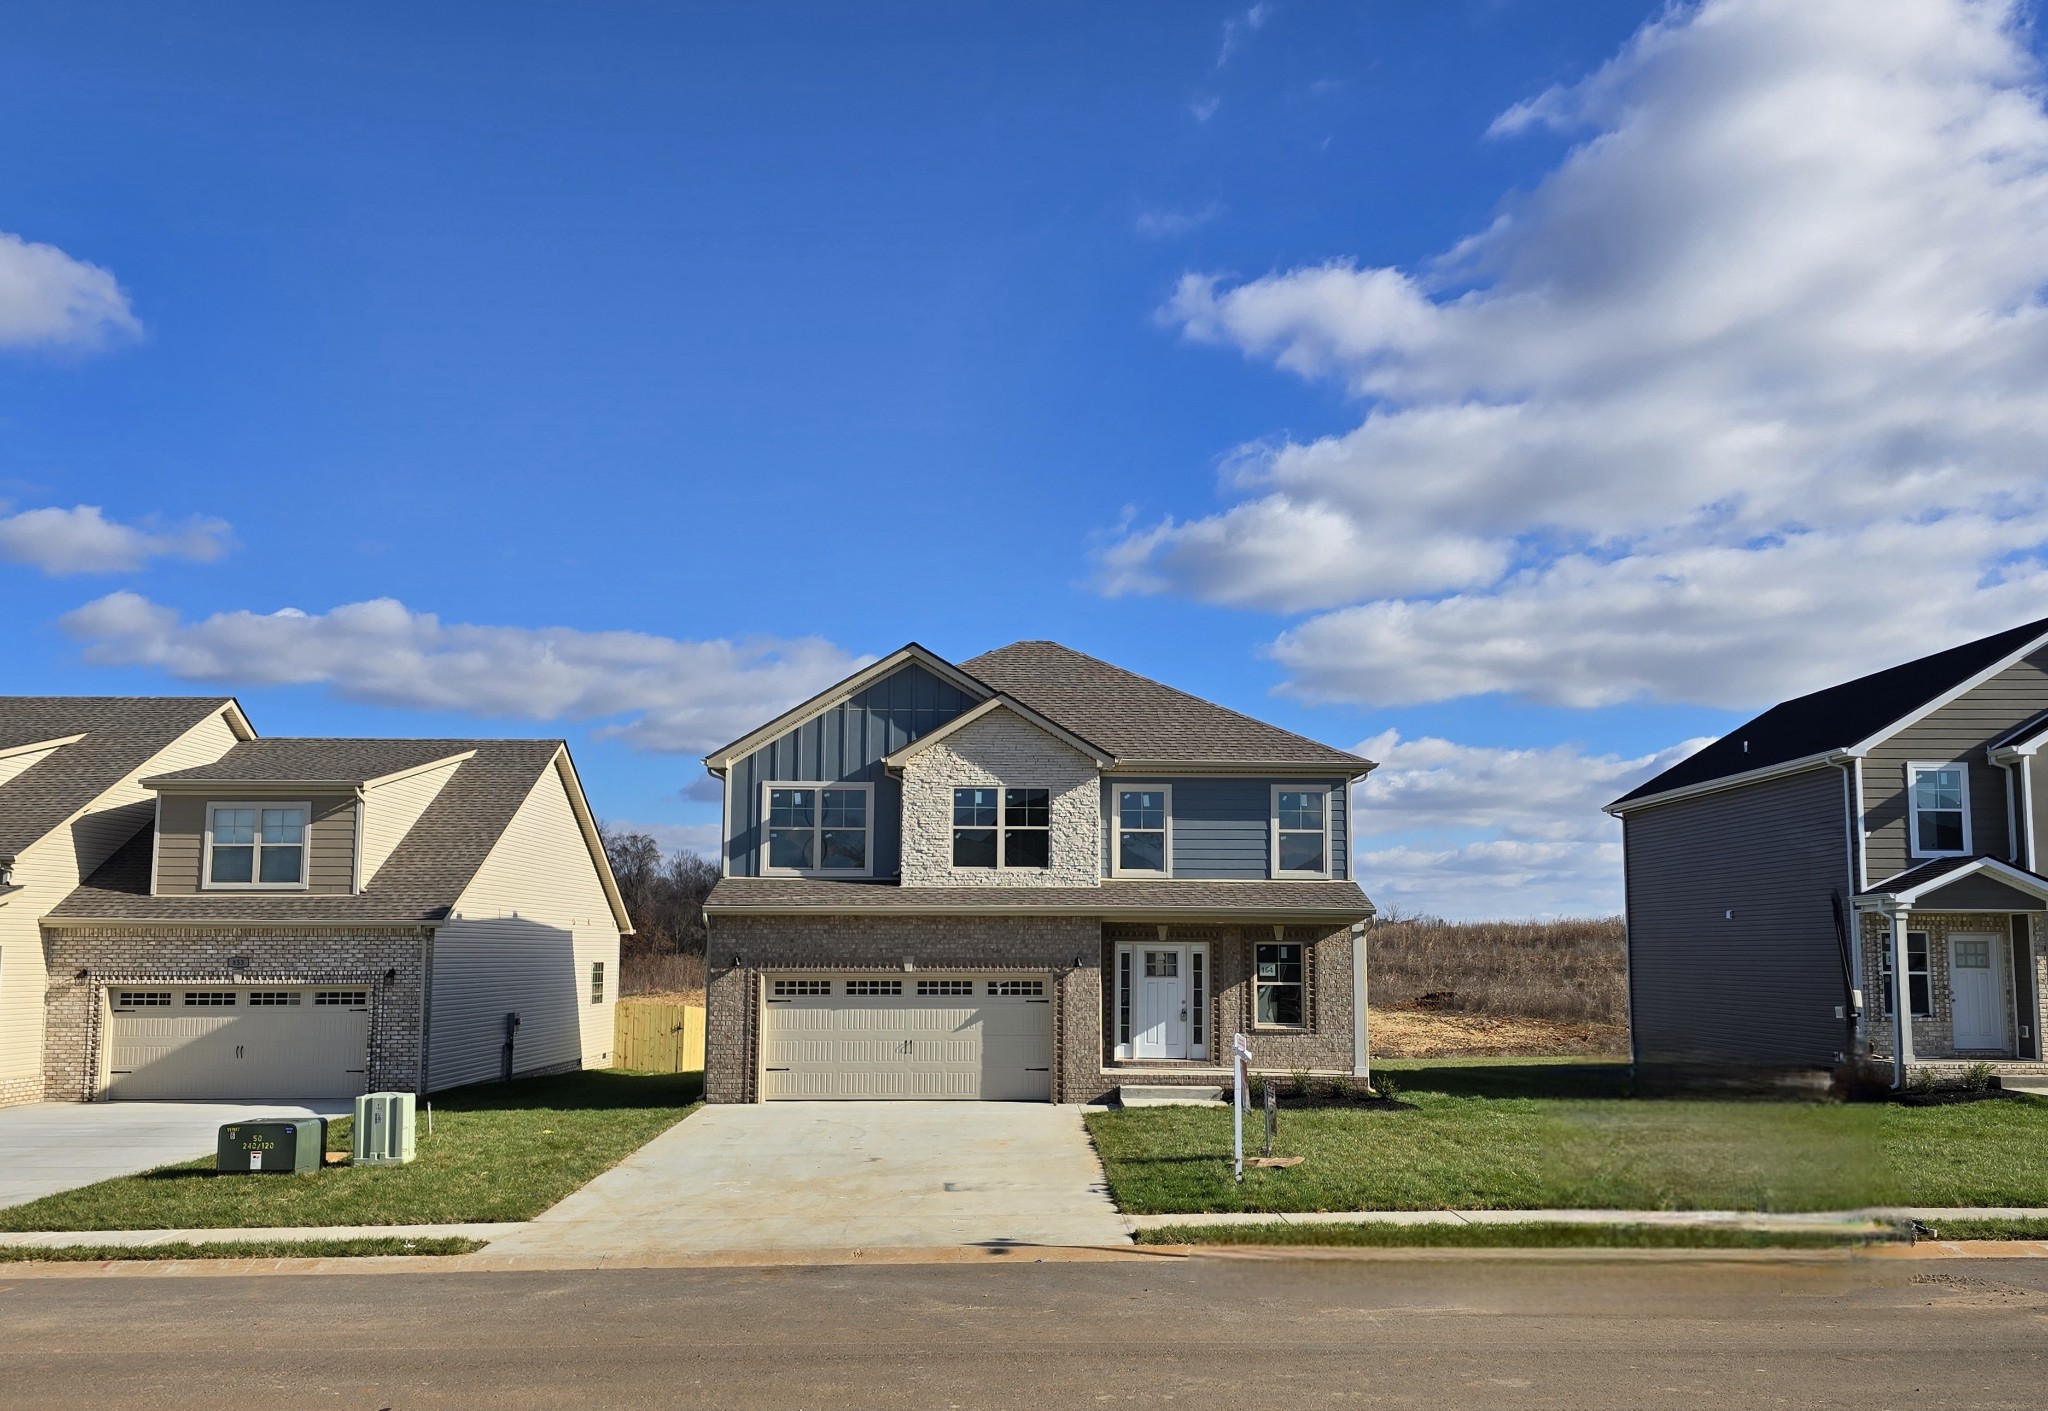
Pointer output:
x,y
1160,1027
1973,988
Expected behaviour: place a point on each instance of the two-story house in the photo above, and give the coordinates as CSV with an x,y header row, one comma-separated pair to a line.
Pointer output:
x,y
1782,879
1028,876
291,919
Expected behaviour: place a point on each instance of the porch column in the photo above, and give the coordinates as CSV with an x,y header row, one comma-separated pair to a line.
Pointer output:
x,y
1361,1055
1902,997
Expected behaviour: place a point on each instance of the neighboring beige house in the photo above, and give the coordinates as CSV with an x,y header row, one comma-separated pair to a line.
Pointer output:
x,y
273,919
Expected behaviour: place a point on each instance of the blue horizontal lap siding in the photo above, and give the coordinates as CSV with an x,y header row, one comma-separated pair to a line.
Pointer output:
x,y
846,744
1223,827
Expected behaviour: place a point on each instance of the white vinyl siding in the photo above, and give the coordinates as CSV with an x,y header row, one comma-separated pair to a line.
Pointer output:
x,y
390,810
49,869
531,925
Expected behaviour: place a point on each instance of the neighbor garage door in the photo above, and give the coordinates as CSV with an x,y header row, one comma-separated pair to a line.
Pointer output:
x,y
231,1043
924,1036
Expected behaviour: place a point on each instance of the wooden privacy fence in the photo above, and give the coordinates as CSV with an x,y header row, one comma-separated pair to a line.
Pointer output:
x,y
660,1036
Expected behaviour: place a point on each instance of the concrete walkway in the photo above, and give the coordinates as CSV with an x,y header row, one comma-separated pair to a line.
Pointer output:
x,y
46,1147
839,1176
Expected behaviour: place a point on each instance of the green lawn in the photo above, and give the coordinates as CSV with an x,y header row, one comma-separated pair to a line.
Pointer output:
x,y
1530,1235
1545,1134
499,1151
236,1249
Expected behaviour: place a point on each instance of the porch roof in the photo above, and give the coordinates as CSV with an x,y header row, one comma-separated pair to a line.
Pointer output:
x,y
1248,900
1961,884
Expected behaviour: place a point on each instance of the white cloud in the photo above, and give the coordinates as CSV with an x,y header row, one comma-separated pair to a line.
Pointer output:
x,y
83,540
1475,831
659,693
1204,109
47,298
1169,224
1238,28
1756,364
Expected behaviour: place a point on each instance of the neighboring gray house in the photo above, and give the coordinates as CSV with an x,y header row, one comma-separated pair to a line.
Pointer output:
x,y
1780,879
1030,876
273,919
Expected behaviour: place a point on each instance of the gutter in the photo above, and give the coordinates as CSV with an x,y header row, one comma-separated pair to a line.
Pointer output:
x,y
1121,913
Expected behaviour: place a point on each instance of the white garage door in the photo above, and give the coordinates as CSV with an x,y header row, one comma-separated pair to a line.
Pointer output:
x,y
986,1037
229,1043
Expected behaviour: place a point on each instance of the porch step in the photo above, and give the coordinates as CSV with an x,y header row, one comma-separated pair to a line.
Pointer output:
x,y
1163,1095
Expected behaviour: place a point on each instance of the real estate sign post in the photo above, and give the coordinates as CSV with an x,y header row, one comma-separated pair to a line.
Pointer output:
x,y
1241,1057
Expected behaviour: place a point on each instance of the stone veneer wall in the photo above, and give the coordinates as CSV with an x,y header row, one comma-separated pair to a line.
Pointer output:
x,y
1001,749
1322,1045
879,943
1934,1036
73,1028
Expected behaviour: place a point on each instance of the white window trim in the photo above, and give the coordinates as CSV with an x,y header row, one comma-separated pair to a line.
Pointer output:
x,y
1259,1025
1913,807
1197,1052
1116,819
817,829
1003,830
1884,972
1273,820
206,882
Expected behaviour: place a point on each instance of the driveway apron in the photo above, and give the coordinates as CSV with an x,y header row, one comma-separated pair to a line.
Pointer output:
x,y
839,1176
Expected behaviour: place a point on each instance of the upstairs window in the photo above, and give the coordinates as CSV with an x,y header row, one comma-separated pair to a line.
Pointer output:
x,y
1002,827
817,828
1142,827
1941,809
1919,987
1301,831
256,845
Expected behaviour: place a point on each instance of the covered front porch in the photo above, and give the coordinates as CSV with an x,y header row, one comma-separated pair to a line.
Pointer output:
x,y
1966,934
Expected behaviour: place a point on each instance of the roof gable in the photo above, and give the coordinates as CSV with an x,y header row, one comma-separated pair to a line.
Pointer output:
x,y
1012,707
1850,717
1145,722
839,693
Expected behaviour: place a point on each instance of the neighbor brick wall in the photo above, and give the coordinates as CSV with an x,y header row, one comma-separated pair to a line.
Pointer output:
x,y
1934,1036
74,1030
879,943
1001,749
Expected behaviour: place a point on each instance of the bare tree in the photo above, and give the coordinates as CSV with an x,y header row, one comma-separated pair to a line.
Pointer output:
x,y
664,895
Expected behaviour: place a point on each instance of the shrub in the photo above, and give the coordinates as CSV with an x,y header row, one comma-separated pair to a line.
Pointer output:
x,y
1977,1077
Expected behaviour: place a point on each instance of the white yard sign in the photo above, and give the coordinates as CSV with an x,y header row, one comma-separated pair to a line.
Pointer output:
x,y
1241,1061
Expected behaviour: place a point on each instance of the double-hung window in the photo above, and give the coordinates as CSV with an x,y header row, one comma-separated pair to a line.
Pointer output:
x,y
1002,827
256,845
1919,988
1301,830
817,828
1277,986
1941,809
1142,837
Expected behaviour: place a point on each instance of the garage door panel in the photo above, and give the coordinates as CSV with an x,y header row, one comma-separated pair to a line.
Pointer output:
x,y
963,1039
180,1043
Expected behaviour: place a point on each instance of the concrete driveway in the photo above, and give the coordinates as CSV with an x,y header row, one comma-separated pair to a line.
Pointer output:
x,y
46,1147
839,1176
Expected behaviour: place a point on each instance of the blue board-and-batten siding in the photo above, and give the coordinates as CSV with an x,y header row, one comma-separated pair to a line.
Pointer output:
x,y
844,744
1223,827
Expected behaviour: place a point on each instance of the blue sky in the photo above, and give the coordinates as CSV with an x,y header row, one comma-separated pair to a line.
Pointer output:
x,y
1533,382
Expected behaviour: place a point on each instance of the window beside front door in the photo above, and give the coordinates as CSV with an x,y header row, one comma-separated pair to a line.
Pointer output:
x,y
256,845
1277,987
1919,987
1940,796
1143,831
817,829
1301,831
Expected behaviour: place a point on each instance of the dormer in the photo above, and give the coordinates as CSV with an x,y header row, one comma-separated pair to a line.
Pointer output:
x,y
319,817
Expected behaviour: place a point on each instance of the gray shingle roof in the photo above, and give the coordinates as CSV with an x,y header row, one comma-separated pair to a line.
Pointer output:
x,y
420,881
1137,718
315,760
1336,900
121,733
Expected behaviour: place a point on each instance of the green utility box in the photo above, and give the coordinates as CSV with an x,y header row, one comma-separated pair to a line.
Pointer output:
x,y
268,1144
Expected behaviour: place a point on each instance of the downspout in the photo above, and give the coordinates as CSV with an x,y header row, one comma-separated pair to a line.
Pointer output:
x,y
1848,926
2012,824
2027,795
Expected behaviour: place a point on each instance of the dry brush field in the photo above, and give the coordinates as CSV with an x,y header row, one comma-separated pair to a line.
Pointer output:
x,y
1502,987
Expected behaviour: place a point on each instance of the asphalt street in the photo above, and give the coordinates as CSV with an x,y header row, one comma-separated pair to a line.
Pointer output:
x,y
1198,1332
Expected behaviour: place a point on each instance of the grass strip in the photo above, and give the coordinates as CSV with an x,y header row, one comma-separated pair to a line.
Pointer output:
x,y
1382,1234
2024,1228
239,1249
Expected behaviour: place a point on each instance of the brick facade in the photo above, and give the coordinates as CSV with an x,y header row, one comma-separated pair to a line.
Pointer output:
x,y
1934,1035
999,749
83,961
1080,1018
